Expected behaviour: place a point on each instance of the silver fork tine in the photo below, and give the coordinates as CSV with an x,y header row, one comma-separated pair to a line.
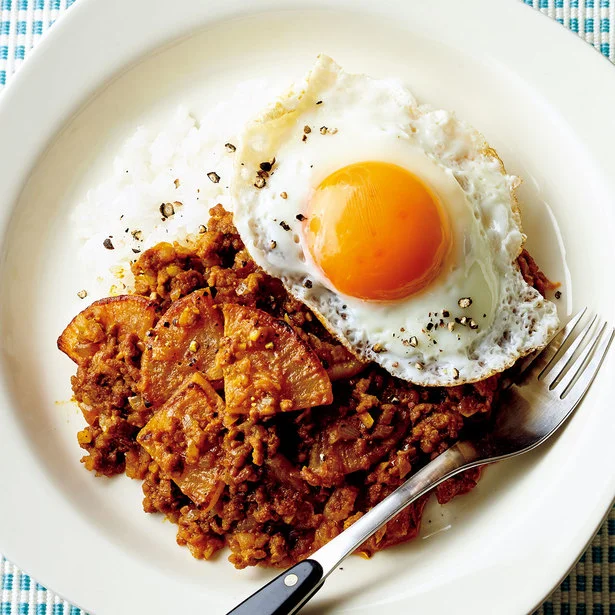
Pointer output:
x,y
555,371
586,377
537,363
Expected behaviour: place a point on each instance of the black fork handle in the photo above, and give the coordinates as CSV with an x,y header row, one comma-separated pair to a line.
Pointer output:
x,y
286,593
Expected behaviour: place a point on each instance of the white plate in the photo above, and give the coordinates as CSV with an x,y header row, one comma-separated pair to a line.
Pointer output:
x,y
542,97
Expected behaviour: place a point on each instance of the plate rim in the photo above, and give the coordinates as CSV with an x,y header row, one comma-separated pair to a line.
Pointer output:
x,y
57,42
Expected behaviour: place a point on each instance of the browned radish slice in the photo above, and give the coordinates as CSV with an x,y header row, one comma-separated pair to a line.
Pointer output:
x,y
185,439
119,316
267,367
184,341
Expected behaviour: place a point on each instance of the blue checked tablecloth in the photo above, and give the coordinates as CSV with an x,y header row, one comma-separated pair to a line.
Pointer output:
x,y
590,588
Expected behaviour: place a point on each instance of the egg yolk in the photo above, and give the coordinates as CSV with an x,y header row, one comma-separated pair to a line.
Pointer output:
x,y
376,231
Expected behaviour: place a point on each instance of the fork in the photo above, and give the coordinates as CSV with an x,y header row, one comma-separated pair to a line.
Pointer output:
x,y
544,392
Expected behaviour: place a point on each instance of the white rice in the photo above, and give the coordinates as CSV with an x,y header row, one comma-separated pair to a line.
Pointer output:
x,y
125,208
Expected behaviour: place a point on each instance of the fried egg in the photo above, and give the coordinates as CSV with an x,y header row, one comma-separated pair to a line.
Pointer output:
x,y
395,223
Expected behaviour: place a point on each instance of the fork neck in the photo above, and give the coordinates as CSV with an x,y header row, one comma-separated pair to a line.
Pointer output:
x,y
459,457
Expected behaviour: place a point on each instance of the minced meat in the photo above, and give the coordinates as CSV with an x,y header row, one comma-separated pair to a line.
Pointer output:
x,y
275,485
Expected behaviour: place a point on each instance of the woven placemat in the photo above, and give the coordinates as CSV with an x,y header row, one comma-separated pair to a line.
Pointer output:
x,y
590,587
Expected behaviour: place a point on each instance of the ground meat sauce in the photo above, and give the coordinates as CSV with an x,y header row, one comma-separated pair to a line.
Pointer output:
x,y
273,486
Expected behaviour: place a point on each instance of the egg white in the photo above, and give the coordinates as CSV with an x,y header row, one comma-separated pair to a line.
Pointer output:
x,y
353,118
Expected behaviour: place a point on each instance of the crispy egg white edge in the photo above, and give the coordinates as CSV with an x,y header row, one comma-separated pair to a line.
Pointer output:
x,y
534,307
